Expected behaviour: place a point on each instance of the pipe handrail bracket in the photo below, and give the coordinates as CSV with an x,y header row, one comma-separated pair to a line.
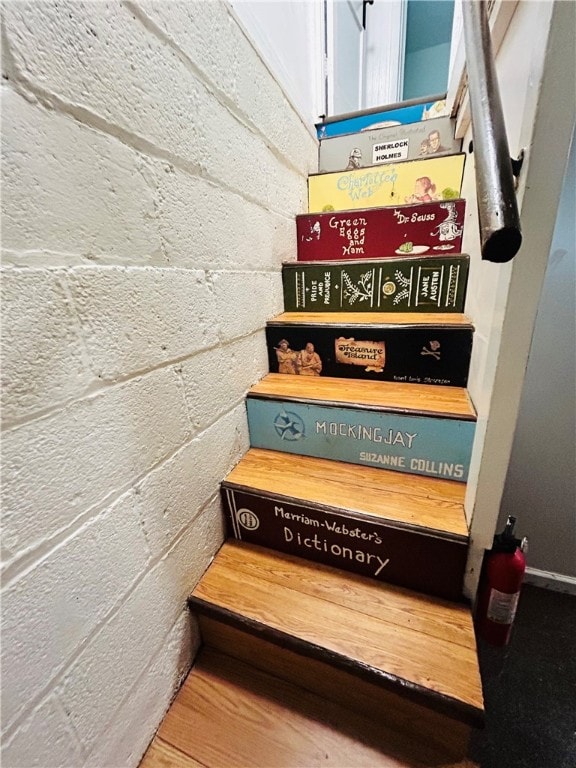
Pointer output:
x,y
500,232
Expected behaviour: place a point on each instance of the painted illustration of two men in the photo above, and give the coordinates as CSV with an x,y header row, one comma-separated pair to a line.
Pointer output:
x,y
306,362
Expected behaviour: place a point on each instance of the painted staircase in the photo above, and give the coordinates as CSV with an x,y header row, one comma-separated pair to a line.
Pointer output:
x,y
333,625
358,518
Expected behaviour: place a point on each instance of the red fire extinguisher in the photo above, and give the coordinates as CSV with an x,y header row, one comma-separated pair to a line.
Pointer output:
x,y
499,591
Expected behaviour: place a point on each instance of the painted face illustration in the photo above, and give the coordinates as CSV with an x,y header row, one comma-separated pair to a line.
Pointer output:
x,y
420,187
434,139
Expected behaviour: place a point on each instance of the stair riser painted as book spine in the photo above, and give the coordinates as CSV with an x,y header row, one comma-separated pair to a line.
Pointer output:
x,y
404,230
394,285
408,557
415,355
419,445
411,181
399,113
388,145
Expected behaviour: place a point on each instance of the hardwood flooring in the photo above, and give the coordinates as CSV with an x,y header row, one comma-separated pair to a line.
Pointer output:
x,y
230,715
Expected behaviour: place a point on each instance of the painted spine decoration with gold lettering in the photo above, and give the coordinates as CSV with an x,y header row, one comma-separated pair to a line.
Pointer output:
x,y
414,284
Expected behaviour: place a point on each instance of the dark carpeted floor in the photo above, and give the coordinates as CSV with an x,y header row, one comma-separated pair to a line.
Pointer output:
x,y
530,687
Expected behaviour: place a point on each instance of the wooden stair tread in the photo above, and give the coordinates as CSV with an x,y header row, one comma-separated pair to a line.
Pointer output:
x,y
425,646
381,319
443,401
368,260
160,754
411,500
229,714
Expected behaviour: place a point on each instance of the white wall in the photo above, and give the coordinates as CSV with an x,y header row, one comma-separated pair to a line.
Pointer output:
x,y
289,36
503,298
541,482
152,169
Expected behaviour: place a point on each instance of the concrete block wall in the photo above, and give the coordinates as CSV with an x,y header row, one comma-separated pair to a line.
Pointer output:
x,y
152,168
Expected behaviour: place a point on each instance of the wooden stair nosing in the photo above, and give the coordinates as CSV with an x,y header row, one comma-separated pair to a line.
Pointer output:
x,y
390,522
399,320
362,406
441,703
370,261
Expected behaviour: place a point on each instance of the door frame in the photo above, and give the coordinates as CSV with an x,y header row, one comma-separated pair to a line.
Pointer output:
x,y
382,51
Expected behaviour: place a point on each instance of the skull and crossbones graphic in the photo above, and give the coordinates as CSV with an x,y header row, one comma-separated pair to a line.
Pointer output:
x,y
433,351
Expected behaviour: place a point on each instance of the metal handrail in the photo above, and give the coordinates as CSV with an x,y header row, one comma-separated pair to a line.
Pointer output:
x,y
500,231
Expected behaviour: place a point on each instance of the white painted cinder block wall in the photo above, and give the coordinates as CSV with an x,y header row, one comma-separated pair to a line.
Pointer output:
x,y
152,169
